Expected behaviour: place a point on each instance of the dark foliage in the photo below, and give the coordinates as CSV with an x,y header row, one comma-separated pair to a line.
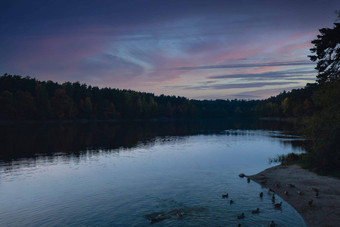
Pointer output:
x,y
327,53
25,98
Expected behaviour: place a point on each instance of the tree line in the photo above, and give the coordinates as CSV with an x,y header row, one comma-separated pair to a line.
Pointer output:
x,y
25,98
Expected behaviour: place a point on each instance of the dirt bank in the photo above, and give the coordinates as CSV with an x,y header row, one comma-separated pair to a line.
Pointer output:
x,y
325,208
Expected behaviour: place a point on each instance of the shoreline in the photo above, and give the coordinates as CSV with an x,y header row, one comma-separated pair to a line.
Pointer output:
x,y
325,208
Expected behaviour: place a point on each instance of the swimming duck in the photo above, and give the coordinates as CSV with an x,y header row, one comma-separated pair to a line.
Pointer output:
x,y
286,192
273,198
178,214
225,196
248,180
231,201
299,192
315,189
154,220
261,194
317,194
278,205
256,211
272,224
277,185
240,216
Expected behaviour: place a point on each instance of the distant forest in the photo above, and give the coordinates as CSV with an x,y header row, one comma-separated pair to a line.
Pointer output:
x,y
25,98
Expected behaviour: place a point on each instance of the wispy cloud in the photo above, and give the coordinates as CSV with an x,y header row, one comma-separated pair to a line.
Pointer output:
x,y
266,75
231,86
249,65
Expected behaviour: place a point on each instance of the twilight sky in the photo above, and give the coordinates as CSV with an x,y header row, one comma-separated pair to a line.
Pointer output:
x,y
245,49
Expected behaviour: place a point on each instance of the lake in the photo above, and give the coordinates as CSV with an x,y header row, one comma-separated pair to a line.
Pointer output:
x,y
128,173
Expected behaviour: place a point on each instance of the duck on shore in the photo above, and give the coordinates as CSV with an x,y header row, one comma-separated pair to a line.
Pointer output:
x,y
291,185
270,190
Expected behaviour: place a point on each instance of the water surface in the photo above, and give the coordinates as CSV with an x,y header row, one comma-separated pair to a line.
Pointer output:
x,y
126,174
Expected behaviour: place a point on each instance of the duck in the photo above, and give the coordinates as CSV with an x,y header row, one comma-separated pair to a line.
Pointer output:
x,y
277,185
261,194
272,224
256,211
270,190
299,192
291,185
273,198
231,201
286,192
179,214
315,189
225,196
310,202
278,205
154,220
248,180
317,194
240,216
238,225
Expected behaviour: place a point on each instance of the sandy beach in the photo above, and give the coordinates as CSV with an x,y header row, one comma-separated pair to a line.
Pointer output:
x,y
303,186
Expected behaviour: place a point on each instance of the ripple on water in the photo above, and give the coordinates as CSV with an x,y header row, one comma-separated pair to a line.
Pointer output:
x,y
130,187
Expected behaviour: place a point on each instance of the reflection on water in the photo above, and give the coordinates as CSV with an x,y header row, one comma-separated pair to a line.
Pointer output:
x,y
131,174
30,140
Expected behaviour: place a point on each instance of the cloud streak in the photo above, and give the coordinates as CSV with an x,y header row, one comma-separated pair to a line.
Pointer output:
x,y
274,75
248,65
232,86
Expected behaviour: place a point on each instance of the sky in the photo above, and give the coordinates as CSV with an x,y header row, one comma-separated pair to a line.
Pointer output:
x,y
199,49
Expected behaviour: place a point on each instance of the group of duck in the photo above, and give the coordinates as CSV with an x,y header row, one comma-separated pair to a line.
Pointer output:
x,y
257,210
276,205
286,193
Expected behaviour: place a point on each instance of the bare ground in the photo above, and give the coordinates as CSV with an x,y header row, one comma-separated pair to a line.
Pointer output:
x,y
325,208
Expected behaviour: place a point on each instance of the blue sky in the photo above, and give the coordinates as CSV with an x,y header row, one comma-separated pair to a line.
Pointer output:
x,y
197,49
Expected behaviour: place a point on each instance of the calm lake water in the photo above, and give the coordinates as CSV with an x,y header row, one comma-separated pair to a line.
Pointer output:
x,y
124,174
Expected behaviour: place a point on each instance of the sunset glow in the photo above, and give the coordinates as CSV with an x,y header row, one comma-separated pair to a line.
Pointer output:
x,y
196,49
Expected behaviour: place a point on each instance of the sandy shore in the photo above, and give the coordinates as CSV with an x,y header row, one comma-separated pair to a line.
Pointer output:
x,y
325,208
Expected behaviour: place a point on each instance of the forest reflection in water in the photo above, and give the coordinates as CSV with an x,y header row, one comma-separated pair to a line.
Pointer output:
x,y
29,140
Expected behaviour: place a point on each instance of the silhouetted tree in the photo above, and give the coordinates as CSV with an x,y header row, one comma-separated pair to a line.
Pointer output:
x,y
327,53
